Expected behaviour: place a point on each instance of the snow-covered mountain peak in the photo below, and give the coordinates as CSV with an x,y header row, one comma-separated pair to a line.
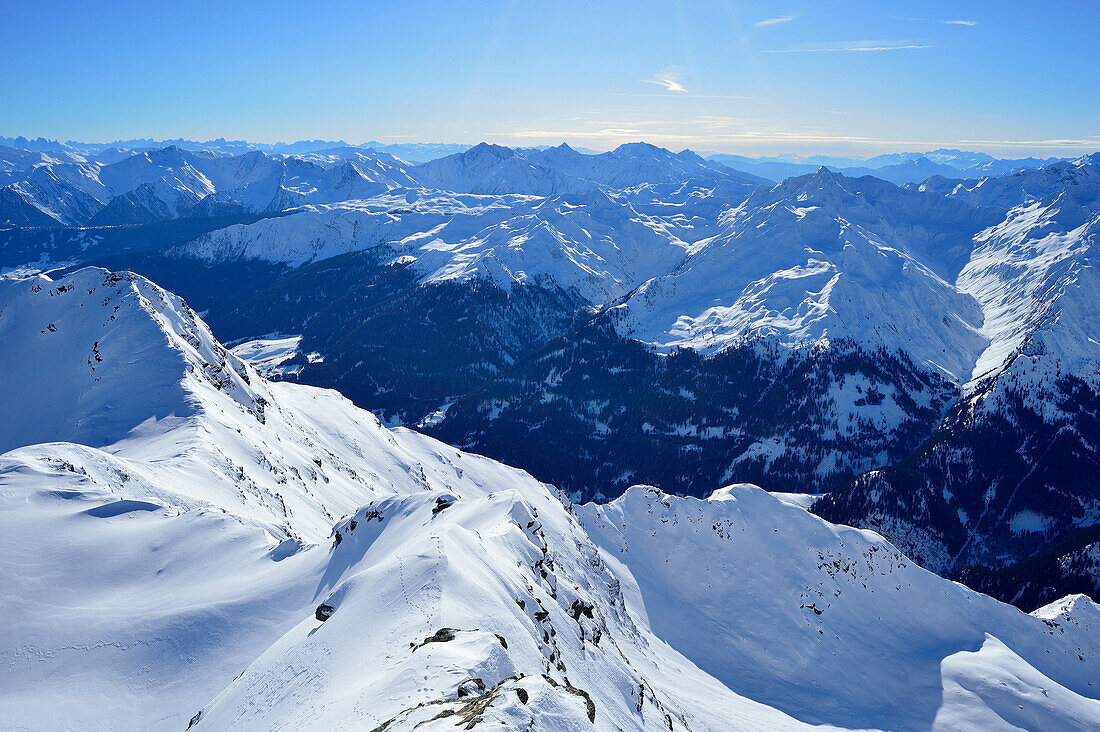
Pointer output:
x,y
811,260
483,152
1023,186
688,154
1077,609
120,351
821,186
1090,159
641,149
1033,275
171,156
221,533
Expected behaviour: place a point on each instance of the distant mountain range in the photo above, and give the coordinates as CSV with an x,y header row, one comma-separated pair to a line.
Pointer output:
x,y
899,168
413,152
910,167
71,189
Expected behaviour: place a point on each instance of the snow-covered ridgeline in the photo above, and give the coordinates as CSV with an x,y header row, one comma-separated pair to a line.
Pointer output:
x,y
817,258
1034,278
821,258
599,245
153,185
272,556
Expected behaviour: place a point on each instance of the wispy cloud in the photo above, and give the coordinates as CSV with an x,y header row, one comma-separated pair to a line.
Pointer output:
x,y
708,132
941,22
1068,142
785,18
669,79
693,96
852,46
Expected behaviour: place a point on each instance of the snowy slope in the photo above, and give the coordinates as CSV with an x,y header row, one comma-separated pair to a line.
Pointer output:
x,y
51,190
599,244
809,260
269,356
788,609
823,257
1033,276
170,183
202,537
1011,470
257,181
177,571
1021,187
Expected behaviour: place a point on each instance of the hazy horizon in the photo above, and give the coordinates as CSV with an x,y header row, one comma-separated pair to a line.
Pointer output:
x,y
836,77
808,155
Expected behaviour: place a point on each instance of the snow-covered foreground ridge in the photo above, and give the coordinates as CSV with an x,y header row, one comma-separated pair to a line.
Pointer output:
x,y
206,548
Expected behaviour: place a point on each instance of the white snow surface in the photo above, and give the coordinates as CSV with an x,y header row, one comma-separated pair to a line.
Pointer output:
x,y
170,182
596,244
1035,279
492,169
811,260
269,355
172,523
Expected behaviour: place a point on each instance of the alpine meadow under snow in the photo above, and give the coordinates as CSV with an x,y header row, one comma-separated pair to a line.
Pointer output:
x,y
538,438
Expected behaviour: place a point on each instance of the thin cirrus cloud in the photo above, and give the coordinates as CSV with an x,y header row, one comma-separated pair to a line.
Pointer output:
x,y
852,47
969,23
669,79
731,133
785,18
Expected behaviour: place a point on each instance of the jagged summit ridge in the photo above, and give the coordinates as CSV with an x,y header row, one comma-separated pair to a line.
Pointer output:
x,y
121,351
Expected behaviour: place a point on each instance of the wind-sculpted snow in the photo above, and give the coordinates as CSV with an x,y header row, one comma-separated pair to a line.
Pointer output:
x,y
273,557
928,350
225,523
72,327
788,609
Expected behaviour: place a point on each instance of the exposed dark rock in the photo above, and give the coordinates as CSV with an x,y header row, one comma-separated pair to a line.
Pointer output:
x,y
579,608
443,635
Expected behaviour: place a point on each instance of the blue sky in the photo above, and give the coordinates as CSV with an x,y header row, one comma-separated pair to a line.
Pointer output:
x,y
830,76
